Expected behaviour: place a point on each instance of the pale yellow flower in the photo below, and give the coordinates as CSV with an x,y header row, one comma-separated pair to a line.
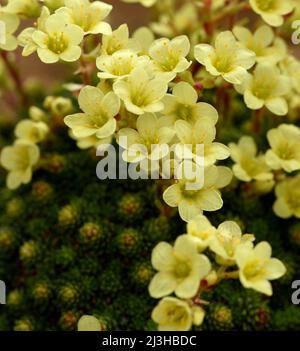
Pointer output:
x,y
58,105
182,104
91,141
37,114
217,4
10,23
88,15
288,198
249,165
172,314
225,241
256,267
30,131
285,148
148,141
180,268
262,187
267,47
146,3
192,197
227,59
183,20
201,231
120,64
169,56
196,142
272,11
28,8
266,87
25,37
143,38
116,41
59,40
88,323
54,4
140,92
25,40
98,114
290,66
19,159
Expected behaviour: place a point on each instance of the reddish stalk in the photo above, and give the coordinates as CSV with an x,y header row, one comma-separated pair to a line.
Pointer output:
x,y
15,77
258,114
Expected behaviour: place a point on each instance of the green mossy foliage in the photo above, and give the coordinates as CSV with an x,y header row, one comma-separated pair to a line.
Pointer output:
x,y
71,244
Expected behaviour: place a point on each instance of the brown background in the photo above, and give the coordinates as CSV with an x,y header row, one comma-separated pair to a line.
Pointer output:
x,y
134,15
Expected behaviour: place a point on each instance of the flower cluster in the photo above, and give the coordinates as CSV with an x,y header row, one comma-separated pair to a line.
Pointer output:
x,y
268,170
24,157
186,271
174,84
20,158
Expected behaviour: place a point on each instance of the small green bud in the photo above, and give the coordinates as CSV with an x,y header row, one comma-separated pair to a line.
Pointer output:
x,y
220,317
27,9
68,294
7,239
68,215
129,241
41,191
61,106
53,163
29,251
41,291
142,274
130,207
68,320
23,324
15,298
90,233
14,207
54,4
37,114
64,256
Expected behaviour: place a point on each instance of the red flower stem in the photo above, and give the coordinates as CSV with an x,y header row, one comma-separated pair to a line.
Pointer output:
x,y
14,73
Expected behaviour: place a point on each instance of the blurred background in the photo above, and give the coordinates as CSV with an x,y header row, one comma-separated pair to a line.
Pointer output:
x,y
32,69
134,15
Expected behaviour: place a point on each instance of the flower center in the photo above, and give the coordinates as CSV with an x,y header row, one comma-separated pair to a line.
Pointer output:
x,y
252,166
115,45
285,152
142,96
229,242
263,89
258,48
169,62
57,43
254,270
223,63
189,194
182,269
266,5
176,315
204,235
121,67
98,120
184,112
293,199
